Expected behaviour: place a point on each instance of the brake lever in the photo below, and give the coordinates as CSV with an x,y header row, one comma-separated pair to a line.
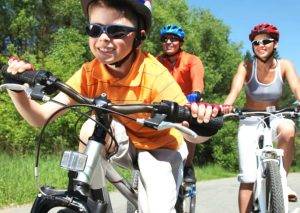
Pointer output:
x,y
31,93
16,87
181,128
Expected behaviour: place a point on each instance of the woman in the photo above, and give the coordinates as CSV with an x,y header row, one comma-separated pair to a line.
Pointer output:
x,y
263,79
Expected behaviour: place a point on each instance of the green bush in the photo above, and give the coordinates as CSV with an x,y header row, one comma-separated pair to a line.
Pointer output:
x,y
221,149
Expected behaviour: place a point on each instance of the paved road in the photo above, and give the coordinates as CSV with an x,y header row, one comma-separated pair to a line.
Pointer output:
x,y
212,196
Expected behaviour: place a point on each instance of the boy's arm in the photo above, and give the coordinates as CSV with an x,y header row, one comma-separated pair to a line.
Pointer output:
x,y
34,113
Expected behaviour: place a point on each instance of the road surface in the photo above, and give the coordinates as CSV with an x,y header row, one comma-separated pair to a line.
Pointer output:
x,y
212,196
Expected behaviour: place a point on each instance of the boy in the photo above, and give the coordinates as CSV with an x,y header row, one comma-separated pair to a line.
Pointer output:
x,y
127,75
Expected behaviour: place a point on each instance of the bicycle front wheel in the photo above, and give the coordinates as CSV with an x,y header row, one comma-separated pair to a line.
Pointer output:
x,y
274,192
186,201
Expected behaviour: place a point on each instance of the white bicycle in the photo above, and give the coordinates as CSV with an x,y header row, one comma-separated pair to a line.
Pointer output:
x,y
86,190
270,187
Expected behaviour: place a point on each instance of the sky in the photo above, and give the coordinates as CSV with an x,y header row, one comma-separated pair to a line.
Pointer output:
x,y
242,15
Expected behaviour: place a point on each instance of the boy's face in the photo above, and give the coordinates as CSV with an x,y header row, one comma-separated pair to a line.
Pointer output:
x,y
106,48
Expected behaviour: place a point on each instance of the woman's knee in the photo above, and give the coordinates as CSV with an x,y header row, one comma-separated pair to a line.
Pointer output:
x,y
286,129
246,186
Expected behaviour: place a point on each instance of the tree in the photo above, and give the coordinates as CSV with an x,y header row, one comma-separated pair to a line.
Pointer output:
x,y
50,34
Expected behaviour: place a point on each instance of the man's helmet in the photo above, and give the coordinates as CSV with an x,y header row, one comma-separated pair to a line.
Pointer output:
x,y
264,28
172,29
141,7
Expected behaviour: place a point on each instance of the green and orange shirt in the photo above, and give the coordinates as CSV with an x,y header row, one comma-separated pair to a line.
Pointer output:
x,y
147,82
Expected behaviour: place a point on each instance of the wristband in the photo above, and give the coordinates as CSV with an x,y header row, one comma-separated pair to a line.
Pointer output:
x,y
194,96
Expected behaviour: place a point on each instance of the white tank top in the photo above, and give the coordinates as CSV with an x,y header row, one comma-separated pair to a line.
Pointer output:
x,y
258,91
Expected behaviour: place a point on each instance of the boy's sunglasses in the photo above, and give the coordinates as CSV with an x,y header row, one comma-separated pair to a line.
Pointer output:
x,y
112,31
262,42
172,39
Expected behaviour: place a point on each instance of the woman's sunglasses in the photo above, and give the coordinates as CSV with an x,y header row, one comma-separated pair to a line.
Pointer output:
x,y
262,42
112,31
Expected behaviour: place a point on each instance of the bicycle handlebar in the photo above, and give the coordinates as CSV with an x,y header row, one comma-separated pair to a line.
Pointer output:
x,y
242,113
174,112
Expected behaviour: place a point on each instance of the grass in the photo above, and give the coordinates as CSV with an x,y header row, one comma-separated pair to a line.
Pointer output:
x,y
212,172
17,184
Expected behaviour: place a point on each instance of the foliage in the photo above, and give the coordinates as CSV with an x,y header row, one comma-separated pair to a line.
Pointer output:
x,y
17,166
50,34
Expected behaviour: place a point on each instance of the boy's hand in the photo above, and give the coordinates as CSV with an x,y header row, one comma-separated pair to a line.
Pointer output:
x,y
18,66
204,111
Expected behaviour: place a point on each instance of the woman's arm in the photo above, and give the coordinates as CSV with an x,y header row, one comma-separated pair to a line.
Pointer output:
x,y
237,84
292,78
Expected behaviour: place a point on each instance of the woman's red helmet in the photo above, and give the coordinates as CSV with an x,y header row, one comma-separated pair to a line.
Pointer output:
x,y
264,28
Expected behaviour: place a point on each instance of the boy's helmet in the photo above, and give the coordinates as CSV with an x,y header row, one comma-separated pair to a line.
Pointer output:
x,y
141,7
172,29
264,28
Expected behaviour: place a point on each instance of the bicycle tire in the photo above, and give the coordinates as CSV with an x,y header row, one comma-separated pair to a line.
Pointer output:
x,y
186,201
50,206
135,178
193,204
274,192
189,204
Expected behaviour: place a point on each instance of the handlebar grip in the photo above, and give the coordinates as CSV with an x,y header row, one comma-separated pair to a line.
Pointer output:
x,y
207,129
182,113
28,76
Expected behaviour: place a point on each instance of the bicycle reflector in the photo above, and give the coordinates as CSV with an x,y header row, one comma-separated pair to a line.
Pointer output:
x,y
73,161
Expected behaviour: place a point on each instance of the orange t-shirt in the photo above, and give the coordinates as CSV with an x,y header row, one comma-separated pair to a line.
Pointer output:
x,y
147,82
188,71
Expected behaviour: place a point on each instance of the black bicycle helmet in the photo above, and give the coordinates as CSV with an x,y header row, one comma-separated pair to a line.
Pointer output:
x,y
141,7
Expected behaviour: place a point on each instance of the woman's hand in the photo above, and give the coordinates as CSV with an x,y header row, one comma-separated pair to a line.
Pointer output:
x,y
227,108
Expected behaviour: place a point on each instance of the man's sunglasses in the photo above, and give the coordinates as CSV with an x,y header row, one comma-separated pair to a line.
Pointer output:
x,y
262,42
112,31
172,39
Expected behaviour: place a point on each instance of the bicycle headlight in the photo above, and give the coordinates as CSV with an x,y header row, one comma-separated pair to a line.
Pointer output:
x,y
73,161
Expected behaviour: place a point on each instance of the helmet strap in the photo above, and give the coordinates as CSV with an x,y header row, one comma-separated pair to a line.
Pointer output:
x,y
123,60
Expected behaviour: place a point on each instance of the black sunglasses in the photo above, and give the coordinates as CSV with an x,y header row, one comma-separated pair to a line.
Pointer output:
x,y
262,42
172,39
112,31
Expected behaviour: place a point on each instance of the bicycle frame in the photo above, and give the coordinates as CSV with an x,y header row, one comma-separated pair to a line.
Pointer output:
x,y
92,172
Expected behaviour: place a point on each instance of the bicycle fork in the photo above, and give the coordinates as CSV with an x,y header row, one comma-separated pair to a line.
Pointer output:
x,y
263,156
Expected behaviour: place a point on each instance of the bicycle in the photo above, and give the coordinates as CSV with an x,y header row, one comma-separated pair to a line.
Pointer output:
x,y
82,194
270,187
186,201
